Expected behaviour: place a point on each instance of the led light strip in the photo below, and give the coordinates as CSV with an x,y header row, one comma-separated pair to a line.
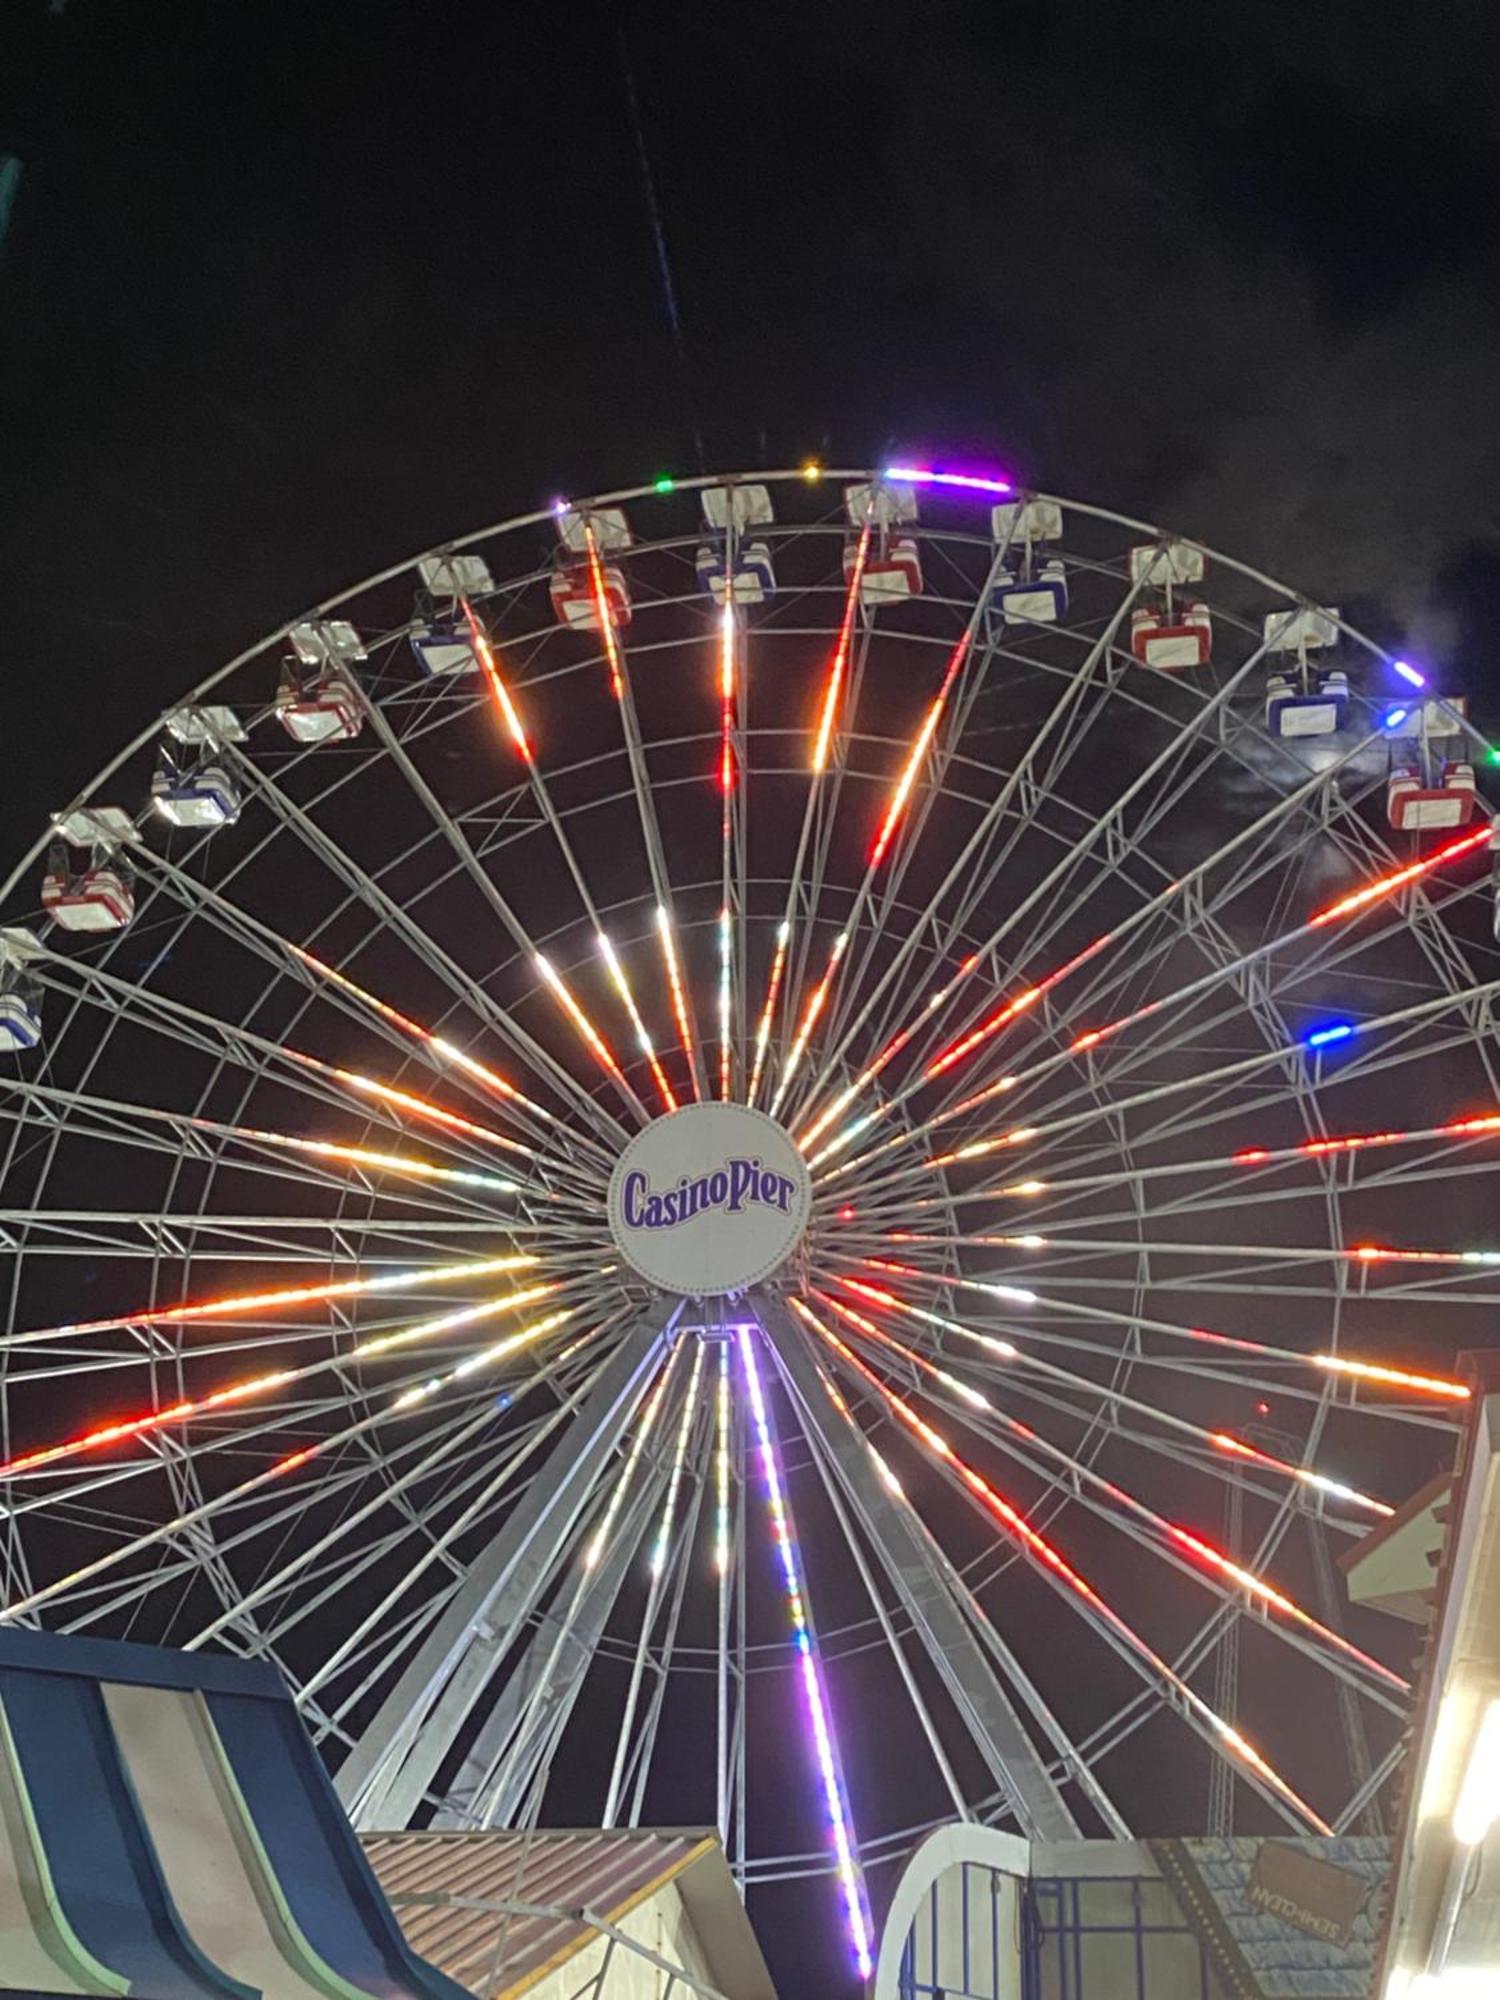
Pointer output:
x,y
1334,1364
156,1420
838,666
1054,1564
851,1882
1004,1351
232,1303
440,1045
1208,1557
721,1466
679,994
643,1040
768,1012
684,1432
603,1053
817,1000
500,693
599,1541
919,748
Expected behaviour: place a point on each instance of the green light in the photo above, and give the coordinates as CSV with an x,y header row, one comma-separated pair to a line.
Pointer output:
x,y
1495,756
666,484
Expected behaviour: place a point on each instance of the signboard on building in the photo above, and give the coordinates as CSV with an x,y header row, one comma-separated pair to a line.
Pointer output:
x,y
1314,1896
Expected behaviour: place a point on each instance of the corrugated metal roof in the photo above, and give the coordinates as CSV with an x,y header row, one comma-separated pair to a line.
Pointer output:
x,y
495,1954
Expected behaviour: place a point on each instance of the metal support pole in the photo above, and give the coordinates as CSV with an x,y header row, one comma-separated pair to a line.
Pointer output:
x,y
544,1682
986,1710
386,1774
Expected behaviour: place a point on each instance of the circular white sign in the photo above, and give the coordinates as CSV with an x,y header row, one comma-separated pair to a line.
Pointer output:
x,y
709,1199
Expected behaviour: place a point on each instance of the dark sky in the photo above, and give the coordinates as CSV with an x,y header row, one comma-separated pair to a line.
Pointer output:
x,y
290,292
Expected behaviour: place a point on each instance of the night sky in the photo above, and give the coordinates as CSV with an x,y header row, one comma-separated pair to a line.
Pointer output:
x,y
289,293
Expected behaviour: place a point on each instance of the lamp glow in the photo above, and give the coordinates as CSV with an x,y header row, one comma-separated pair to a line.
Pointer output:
x,y
850,1880
1478,1803
1336,1031
966,482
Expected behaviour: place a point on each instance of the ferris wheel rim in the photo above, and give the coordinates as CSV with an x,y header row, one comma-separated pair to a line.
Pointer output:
x,y
834,1633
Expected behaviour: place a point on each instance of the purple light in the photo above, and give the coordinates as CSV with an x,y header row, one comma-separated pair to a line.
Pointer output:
x,y
850,1880
1409,673
968,482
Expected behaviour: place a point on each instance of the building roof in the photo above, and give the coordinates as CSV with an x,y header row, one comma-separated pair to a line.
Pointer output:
x,y
1443,1908
1392,1567
155,1807
499,1954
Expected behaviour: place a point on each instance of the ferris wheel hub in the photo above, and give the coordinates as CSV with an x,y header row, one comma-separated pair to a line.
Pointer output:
x,y
709,1200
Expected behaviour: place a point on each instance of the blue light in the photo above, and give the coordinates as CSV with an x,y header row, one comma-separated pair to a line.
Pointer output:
x,y
1395,719
1336,1031
1409,673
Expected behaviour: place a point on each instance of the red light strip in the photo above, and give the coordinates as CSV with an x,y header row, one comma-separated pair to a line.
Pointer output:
x,y
1204,1552
1346,906
620,688
1353,1142
1337,1364
838,666
679,995
919,748
231,1304
726,707
407,1100
817,1000
768,1012
868,1075
103,1435
501,694
1037,1546
1003,1016
449,1051
604,614
1386,885
643,1040
1003,1350
328,1149
726,977
601,1049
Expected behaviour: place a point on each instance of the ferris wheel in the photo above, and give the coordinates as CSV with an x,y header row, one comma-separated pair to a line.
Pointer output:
x,y
789,1151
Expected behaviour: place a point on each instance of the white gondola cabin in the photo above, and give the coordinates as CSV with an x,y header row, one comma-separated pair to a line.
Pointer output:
x,y
100,897
1038,596
892,571
442,647
575,600
318,707
199,795
327,642
20,992
1431,785
1301,702
744,506
449,577
754,579
1173,636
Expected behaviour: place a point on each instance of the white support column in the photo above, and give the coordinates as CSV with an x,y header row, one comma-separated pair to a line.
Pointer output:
x,y
386,1774
981,1702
